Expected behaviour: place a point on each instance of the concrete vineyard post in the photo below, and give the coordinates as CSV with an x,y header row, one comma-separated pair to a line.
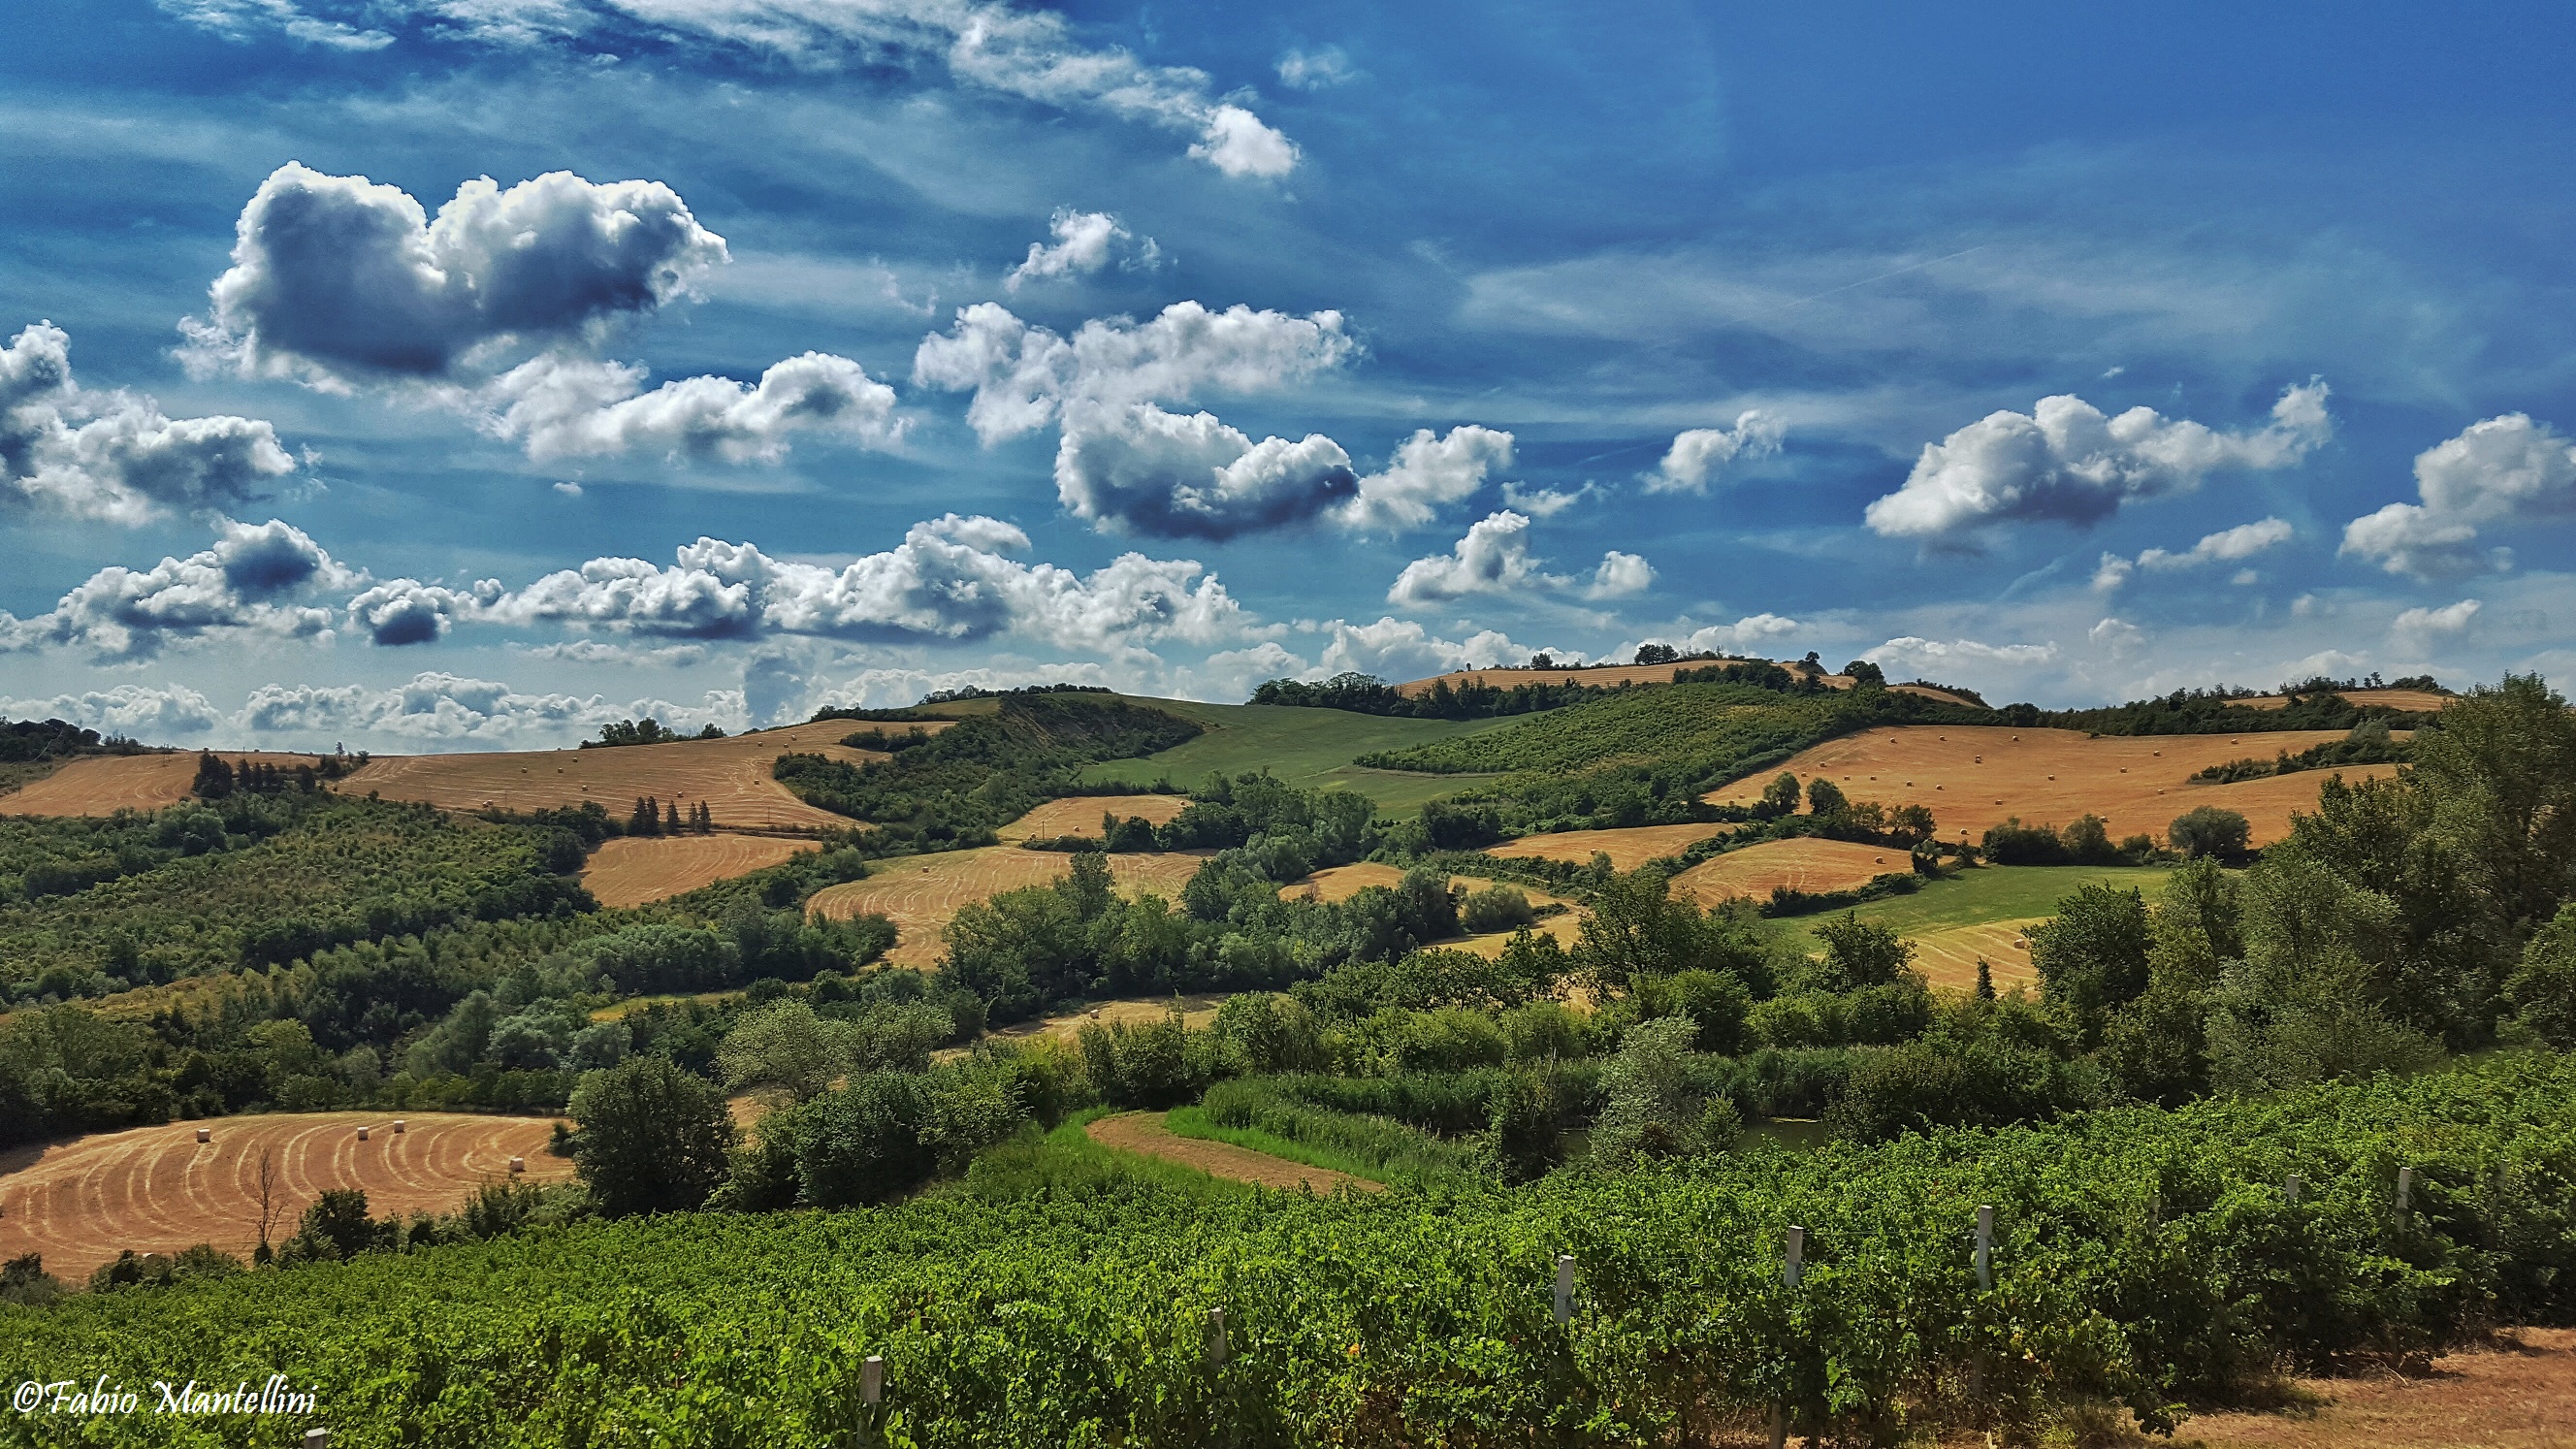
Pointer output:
x,y
1216,1344
2290,1189
872,1380
1985,1246
317,1439
2405,1191
1564,1287
1793,1268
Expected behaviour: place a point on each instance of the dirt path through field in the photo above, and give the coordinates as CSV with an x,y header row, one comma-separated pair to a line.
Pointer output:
x,y
1143,1133
2515,1396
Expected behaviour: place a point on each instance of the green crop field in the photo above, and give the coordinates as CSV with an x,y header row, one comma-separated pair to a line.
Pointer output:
x,y
1988,893
1309,748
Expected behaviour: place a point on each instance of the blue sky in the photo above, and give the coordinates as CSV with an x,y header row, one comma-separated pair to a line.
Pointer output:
x,y
443,374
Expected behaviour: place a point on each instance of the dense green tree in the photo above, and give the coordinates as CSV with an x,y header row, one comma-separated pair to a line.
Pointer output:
x,y
1858,953
652,1136
2543,988
2209,830
2092,956
784,1046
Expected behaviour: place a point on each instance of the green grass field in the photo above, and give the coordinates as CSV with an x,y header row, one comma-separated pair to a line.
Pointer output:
x,y
1312,748
1987,893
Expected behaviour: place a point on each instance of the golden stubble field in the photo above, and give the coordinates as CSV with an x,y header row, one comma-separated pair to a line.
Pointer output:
x,y
158,1189
919,893
1080,815
105,784
632,870
730,776
1815,866
1974,777
1627,849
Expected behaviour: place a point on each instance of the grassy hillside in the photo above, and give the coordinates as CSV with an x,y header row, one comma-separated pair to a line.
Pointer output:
x,y
1309,748
1992,893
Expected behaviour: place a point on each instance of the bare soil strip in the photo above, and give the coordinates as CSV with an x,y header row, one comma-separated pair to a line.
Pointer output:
x,y
158,1189
1973,777
2518,1395
633,869
1143,1133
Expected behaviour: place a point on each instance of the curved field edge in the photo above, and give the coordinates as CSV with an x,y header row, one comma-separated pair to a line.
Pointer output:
x,y
2143,1255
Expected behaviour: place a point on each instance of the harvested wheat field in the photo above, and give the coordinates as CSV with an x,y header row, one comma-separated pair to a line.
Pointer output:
x,y
920,892
730,776
1565,927
1341,882
2518,1394
158,1189
1973,777
1948,956
1080,815
1196,1010
2412,701
633,869
1627,849
105,784
1143,1133
1814,866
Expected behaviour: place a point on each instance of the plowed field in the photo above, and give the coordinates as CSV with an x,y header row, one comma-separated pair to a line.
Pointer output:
x,y
1972,778
1627,849
730,776
105,784
157,1189
920,893
1341,882
1080,815
633,869
1815,866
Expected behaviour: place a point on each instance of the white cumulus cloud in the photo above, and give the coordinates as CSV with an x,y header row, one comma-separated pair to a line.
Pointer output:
x,y
1620,575
2420,628
2229,545
1085,242
2065,461
1921,653
2504,468
1753,634
113,455
256,580
1701,456
1427,473
499,305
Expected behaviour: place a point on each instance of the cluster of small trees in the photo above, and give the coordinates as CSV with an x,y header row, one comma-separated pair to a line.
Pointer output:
x,y
645,731
653,817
